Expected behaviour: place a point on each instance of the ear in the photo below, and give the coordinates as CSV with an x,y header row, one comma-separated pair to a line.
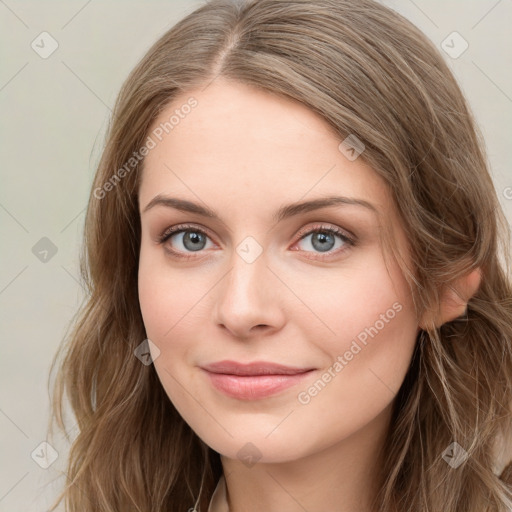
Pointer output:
x,y
455,299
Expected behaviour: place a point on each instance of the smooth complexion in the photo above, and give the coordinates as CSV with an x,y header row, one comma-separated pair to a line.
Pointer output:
x,y
245,153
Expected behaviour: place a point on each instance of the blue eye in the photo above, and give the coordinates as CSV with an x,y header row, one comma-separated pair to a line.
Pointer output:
x,y
194,239
191,238
325,240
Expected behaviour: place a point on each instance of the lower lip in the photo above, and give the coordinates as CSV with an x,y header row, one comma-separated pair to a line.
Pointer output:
x,y
256,386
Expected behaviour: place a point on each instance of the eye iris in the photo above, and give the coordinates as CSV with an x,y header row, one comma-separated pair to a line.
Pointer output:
x,y
191,239
322,241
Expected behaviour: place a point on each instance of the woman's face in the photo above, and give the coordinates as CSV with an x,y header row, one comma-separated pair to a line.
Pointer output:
x,y
261,282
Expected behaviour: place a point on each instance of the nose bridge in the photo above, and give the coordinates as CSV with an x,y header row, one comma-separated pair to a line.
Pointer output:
x,y
246,280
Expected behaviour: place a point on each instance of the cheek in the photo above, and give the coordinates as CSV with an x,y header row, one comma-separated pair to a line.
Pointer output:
x,y
173,306
372,333
151,295
354,300
164,313
164,295
363,378
158,300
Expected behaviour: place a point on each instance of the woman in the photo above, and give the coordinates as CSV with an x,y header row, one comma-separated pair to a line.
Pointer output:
x,y
297,300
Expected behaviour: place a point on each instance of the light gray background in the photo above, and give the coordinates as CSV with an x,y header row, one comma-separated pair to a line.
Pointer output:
x,y
54,113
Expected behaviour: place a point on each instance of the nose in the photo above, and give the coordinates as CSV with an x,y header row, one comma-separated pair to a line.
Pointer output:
x,y
249,300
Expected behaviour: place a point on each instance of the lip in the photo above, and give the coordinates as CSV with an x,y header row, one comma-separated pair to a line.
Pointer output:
x,y
253,381
254,368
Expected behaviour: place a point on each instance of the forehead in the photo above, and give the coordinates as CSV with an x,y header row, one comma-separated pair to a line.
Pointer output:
x,y
241,146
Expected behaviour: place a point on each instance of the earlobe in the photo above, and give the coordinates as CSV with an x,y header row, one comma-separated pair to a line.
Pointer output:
x,y
455,299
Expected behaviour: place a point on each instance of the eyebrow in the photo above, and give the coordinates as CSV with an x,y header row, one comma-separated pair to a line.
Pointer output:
x,y
284,212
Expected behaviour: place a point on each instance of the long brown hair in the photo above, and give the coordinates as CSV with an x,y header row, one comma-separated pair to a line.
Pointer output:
x,y
370,73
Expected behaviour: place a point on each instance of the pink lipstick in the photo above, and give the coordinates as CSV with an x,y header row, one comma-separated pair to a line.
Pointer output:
x,y
255,380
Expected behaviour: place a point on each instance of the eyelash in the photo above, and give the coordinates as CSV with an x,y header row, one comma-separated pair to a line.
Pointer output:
x,y
350,242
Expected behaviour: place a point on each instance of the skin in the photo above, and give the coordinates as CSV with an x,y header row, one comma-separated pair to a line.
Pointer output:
x,y
244,153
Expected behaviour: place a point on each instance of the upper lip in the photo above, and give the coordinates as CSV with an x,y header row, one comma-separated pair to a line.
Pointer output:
x,y
254,368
